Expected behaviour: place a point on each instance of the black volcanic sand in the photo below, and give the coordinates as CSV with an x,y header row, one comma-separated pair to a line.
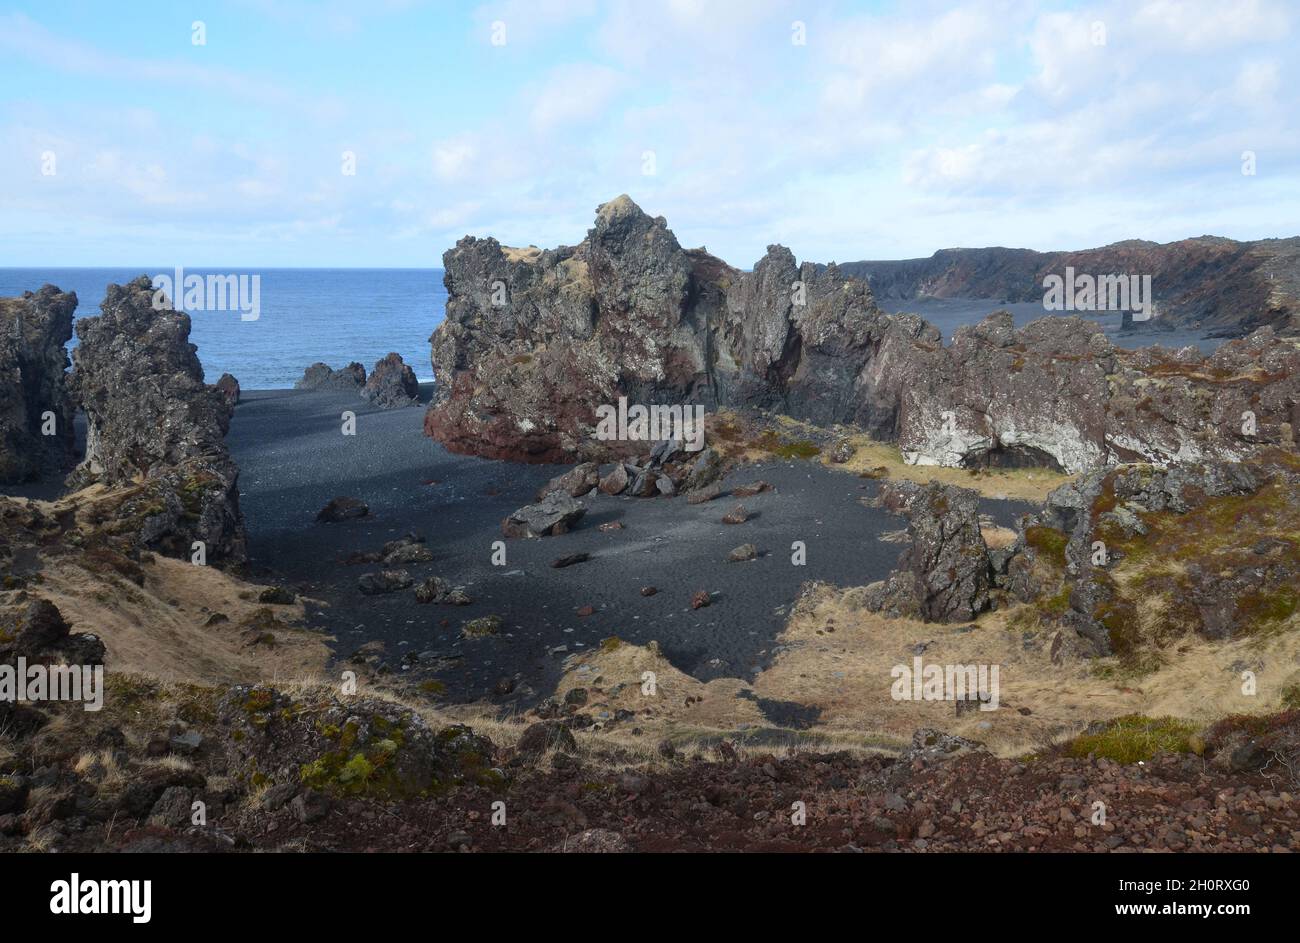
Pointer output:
x,y
293,459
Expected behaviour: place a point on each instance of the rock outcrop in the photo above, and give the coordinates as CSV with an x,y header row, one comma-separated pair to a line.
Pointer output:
x,y
320,376
36,431
1127,560
391,384
535,341
155,430
945,574
1058,393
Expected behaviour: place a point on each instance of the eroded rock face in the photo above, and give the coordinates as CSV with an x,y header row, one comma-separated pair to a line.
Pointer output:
x,y
392,383
155,429
534,341
34,330
945,575
1058,393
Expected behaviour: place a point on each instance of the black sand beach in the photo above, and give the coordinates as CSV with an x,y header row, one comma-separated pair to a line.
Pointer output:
x,y
293,459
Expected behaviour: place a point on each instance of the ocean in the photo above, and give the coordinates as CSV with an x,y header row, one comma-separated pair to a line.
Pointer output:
x,y
340,315
331,315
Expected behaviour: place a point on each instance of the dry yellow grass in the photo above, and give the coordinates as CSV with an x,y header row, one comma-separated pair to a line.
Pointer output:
x,y
1023,484
838,658
145,633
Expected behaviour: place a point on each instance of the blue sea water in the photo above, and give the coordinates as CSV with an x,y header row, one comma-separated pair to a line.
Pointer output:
x,y
331,315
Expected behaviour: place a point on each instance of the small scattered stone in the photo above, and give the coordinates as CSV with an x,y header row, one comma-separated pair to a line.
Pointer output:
x,y
342,509
560,563
742,553
737,515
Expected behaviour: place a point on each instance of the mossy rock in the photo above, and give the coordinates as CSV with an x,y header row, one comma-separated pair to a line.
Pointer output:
x,y
482,627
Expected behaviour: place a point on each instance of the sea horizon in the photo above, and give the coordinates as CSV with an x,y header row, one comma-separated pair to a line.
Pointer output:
x,y
307,315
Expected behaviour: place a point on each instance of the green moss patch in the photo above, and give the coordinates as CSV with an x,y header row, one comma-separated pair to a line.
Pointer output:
x,y
1134,739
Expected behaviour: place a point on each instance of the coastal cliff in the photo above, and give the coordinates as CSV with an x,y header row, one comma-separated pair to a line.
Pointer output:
x,y
1209,282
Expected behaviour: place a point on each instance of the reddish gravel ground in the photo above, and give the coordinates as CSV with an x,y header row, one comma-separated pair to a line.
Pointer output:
x,y
975,802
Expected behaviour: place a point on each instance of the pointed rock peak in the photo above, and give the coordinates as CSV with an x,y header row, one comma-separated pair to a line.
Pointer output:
x,y
621,207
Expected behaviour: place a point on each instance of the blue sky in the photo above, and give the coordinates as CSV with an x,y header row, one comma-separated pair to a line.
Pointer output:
x,y
895,129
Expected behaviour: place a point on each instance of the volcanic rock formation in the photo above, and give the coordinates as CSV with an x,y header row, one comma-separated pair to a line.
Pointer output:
x,y
33,397
321,376
534,341
392,383
154,428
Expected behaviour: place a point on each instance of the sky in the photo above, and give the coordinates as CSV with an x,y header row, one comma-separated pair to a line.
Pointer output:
x,y
376,133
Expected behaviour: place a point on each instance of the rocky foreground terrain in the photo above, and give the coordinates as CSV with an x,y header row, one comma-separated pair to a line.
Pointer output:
x,y
1144,611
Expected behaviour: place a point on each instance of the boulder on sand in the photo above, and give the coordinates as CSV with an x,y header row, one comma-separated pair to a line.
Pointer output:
x,y
554,514
392,384
320,376
576,482
342,509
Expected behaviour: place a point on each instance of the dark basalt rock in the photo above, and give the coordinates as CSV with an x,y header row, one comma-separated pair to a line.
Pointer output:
x,y
945,575
1227,578
392,384
320,376
534,341
155,428
577,481
1206,281
33,332
37,632
555,514
342,509
228,386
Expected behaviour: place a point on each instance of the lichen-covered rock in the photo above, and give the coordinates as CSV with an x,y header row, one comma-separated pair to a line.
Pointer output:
x,y
1131,558
320,376
555,514
391,384
36,431
347,746
155,429
945,574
